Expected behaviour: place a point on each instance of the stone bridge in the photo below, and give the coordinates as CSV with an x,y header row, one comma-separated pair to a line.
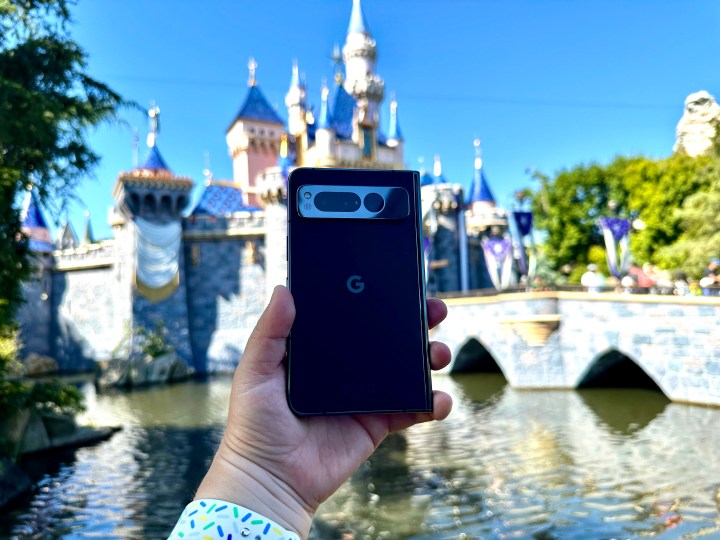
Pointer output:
x,y
572,339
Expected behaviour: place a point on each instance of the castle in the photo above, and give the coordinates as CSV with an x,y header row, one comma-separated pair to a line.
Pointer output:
x,y
205,273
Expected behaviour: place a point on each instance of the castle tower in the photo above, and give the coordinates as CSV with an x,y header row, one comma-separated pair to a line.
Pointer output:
x,y
395,137
361,82
150,200
324,131
253,139
296,102
482,213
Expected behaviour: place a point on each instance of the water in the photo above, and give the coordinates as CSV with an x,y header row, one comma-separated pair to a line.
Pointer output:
x,y
506,464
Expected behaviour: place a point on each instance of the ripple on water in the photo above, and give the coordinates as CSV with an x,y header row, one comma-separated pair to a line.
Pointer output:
x,y
506,464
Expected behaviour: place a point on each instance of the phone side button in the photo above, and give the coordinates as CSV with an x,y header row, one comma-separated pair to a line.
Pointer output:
x,y
286,248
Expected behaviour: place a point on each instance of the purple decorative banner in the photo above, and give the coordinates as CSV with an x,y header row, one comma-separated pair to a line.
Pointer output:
x,y
616,233
524,222
497,247
619,227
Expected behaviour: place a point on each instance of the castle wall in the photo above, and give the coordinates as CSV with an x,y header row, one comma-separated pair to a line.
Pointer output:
x,y
35,316
82,327
225,272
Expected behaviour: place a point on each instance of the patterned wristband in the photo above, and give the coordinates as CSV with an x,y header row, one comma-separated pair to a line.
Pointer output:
x,y
211,518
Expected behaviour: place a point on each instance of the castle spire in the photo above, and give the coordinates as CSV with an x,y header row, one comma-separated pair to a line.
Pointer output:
x,y
394,133
252,66
324,120
357,20
480,189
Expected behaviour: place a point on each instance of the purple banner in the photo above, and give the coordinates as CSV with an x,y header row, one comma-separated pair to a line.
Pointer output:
x,y
524,222
619,227
497,247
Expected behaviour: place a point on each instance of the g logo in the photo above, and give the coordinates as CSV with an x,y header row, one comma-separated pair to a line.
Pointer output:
x,y
355,284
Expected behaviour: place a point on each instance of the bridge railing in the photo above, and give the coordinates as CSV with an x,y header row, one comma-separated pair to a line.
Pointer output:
x,y
663,290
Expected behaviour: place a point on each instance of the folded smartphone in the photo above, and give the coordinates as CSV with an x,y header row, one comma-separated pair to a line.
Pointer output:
x,y
359,343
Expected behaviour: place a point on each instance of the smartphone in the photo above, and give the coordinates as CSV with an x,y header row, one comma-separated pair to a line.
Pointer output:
x,y
359,343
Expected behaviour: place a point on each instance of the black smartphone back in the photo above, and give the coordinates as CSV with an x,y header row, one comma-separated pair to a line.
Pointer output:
x,y
359,342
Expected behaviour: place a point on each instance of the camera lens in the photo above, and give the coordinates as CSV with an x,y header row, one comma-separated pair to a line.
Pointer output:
x,y
337,201
373,202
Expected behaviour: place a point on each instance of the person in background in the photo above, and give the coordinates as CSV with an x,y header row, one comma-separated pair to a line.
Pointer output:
x,y
592,280
711,278
272,470
644,282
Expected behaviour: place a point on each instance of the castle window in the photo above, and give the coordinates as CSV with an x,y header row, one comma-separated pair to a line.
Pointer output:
x,y
134,203
149,204
195,254
181,203
166,205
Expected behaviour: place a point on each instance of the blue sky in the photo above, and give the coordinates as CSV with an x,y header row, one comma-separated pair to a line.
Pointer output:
x,y
544,84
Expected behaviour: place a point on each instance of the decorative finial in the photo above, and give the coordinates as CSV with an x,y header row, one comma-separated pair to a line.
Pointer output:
x,y
437,166
337,60
324,92
252,66
478,154
207,171
154,122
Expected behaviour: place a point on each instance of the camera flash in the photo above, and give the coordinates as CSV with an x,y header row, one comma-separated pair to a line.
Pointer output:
x,y
308,195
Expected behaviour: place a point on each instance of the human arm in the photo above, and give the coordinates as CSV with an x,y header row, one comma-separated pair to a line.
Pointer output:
x,y
282,466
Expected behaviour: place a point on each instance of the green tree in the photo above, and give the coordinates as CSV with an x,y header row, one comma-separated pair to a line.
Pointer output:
x,y
568,206
47,104
699,219
655,190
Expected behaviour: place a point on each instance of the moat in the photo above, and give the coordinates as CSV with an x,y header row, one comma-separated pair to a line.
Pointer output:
x,y
598,463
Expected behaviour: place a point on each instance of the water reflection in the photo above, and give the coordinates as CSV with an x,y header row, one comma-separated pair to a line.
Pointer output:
x,y
506,464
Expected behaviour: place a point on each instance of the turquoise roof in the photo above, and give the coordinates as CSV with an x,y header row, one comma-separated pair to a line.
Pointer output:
x,y
256,107
357,20
426,179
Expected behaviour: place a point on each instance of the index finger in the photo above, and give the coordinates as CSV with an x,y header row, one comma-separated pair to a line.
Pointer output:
x,y
437,311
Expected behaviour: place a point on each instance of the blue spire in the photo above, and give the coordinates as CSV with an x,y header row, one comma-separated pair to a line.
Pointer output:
x,y
479,189
394,132
32,216
154,161
357,20
324,120
256,107
438,177
35,226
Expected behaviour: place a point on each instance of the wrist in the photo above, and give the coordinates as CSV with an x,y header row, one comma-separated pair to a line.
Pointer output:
x,y
238,480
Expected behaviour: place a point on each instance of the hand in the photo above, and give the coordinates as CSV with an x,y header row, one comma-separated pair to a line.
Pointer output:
x,y
282,466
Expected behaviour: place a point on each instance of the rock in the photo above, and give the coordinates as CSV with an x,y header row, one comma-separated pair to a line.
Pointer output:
x,y
36,437
38,365
144,370
696,128
58,424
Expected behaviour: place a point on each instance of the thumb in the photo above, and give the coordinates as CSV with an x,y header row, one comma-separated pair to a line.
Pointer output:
x,y
267,344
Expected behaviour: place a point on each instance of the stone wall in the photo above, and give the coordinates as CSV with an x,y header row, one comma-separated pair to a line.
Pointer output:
x,y
552,340
83,326
35,316
225,293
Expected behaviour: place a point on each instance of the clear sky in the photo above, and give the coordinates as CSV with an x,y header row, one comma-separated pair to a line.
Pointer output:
x,y
544,84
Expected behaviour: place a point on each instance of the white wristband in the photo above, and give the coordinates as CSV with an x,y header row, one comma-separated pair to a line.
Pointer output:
x,y
209,519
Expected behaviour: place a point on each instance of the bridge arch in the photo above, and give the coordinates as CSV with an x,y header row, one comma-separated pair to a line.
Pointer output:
x,y
614,369
474,357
